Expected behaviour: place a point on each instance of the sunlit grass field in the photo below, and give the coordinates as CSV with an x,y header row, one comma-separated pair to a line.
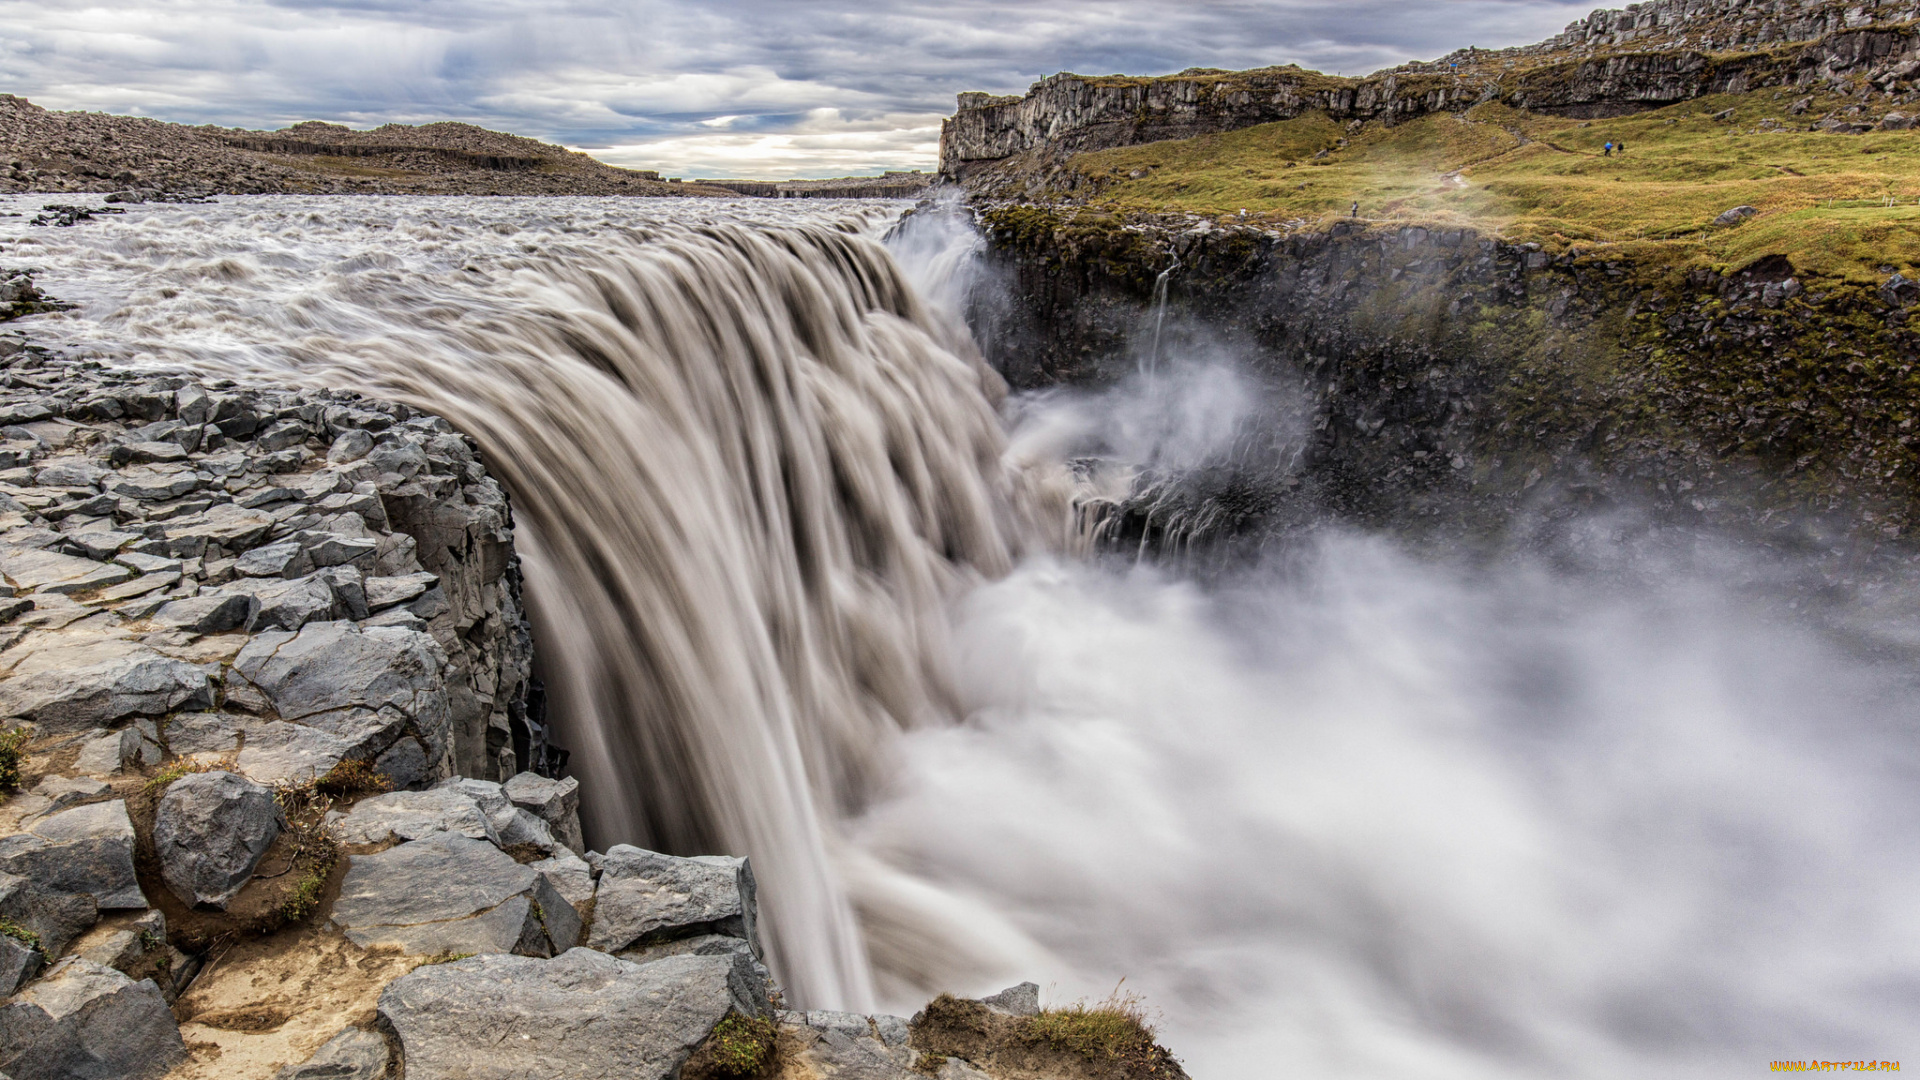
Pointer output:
x,y
1841,205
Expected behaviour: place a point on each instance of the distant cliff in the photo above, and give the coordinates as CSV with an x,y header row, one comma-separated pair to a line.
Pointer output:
x,y
1612,63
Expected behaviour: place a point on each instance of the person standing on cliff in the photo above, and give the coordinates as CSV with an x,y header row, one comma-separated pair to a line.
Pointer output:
x,y
1356,209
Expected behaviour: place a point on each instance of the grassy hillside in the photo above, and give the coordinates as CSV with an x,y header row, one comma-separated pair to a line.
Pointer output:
x,y
1823,198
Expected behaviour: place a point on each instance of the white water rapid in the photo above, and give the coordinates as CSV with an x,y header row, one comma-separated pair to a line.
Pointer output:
x,y
803,592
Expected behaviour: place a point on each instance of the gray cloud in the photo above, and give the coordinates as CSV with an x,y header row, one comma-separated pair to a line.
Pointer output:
x,y
769,88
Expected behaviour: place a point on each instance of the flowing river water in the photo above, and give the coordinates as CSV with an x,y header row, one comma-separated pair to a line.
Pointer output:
x,y
805,588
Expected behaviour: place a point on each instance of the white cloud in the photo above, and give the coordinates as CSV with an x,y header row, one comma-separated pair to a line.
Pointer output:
x,y
766,88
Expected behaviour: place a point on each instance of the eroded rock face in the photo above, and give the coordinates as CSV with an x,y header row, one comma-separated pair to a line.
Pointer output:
x,y
581,1014
209,833
88,849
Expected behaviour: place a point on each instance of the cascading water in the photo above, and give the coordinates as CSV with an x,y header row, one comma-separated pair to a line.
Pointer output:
x,y
1347,813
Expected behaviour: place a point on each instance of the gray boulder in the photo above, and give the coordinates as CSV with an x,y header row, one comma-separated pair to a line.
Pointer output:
x,y
450,894
88,849
114,751
645,897
1735,216
55,918
849,1046
569,875
88,1022
352,445
580,1015
19,963
282,560
556,802
209,833
351,1055
412,815
752,981
386,592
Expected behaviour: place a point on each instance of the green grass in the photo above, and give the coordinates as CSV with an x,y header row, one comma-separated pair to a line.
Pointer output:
x,y
20,934
1112,1030
12,749
184,767
1528,176
740,1045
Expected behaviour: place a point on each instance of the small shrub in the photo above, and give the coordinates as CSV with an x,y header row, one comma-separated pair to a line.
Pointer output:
x,y
165,777
20,934
1113,1030
352,777
304,900
740,1045
12,749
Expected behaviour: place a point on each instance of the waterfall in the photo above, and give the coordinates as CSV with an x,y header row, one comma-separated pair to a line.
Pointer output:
x,y
749,469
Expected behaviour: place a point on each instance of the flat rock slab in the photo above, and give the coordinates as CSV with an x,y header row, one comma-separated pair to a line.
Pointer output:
x,y
444,894
92,685
645,896
412,815
88,849
580,1016
85,1021
209,832
351,1055
55,917
280,752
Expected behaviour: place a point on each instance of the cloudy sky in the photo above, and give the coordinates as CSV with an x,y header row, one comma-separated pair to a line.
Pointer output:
x,y
743,88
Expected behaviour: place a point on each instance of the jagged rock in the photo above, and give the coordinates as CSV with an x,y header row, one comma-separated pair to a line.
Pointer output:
x,y
556,802
1020,1000
351,445
112,752
88,1021
88,849
353,1054
53,916
336,665
569,875
19,963
92,685
212,614
283,560
582,1014
209,833
286,605
448,894
645,896
234,528
283,753
386,592
153,483
412,815
1735,216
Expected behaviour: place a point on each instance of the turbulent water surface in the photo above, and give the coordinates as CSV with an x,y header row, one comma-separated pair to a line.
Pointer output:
x,y
805,590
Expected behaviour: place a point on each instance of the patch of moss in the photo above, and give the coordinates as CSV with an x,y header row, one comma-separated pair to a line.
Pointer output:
x,y
304,898
20,934
740,1046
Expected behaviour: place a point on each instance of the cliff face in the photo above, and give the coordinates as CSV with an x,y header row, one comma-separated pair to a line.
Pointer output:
x,y
1451,380
1602,66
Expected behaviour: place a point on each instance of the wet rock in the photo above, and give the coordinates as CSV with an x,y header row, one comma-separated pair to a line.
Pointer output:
x,y
88,1021
556,802
645,897
88,849
578,1015
209,833
351,1055
412,815
444,894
